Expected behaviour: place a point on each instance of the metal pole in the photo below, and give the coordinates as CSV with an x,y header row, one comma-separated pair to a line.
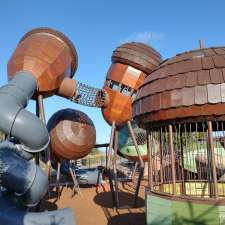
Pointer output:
x,y
134,170
75,182
140,161
172,159
213,160
41,108
135,143
161,160
111,143
41,114
108,166
58,178
106,157
149,154
114,167
201,44
37,158
182,164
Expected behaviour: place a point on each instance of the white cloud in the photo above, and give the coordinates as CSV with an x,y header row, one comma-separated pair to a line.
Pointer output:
x,y
145,37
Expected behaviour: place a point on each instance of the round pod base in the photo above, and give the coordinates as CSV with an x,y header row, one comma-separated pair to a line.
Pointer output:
x,y
72,133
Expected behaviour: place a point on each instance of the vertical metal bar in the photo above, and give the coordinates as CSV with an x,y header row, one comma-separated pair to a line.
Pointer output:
x,y
58,178
182,161
106,157
208,167
161,157
149,152
213,161
114,168
201,44
75,183
138,185
41,108
140,161
134,170
109,156
41,114
135,143
111,143
172,159
37,158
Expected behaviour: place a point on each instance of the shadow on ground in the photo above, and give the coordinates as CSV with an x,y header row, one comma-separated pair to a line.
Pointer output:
x,y
128,219
104,199
46,205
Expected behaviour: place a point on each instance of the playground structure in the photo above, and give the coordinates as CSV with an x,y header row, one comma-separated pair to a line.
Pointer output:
x,y
130,63
181,105
178,103
42,65
73,136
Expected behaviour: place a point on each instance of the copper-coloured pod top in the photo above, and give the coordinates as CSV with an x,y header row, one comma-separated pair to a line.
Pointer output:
x,y
48,55
138,55
62,37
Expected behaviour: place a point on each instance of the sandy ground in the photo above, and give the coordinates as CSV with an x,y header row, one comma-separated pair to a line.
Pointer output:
x,y
94,206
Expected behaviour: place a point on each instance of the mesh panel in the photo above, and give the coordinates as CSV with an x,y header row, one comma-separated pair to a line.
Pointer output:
x,y
89,96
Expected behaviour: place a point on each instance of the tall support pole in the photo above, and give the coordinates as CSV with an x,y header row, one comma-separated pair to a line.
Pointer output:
x,y
172,159
37,157
134,170
114,168
75,182
58,178
149,154
135,143
41,108
201,44
108,163
111,144
212,160
140,161
41,114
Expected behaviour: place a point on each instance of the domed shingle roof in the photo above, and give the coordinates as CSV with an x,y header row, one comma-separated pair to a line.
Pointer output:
x,y
190,84
138,55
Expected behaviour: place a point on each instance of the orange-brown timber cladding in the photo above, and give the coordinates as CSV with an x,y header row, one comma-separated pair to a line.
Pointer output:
x,y
188,85
72,133
130,63
48,55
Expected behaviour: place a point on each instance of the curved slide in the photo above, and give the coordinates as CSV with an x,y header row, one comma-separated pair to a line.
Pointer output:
x,y
19,175
13,214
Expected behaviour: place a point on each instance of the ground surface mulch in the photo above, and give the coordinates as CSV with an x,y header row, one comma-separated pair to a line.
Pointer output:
x,y
94,206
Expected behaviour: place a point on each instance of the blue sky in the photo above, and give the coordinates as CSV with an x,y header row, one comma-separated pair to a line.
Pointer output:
x,y
97,27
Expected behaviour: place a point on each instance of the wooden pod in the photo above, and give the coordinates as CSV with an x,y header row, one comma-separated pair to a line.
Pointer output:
x,y
72,133
119,108
130,63
46,53
189,85
137,55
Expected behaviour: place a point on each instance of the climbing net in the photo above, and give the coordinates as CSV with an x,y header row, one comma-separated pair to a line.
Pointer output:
x,y
89,96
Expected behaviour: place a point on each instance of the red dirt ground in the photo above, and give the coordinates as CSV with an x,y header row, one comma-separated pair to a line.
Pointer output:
x,y
94,206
